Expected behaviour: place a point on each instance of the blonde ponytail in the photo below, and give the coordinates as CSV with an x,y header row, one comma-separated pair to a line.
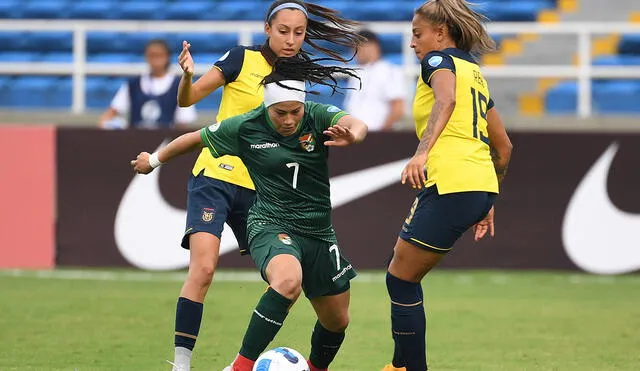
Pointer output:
x,y
465,25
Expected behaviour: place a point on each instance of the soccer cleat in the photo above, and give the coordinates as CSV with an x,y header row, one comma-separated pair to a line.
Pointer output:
x,y
390,367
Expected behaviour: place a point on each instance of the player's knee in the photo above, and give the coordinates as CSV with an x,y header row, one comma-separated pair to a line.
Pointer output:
x,y
339,322
203,274
288,286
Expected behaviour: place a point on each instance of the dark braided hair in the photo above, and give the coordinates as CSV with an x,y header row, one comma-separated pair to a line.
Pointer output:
x,y
326,25
302,69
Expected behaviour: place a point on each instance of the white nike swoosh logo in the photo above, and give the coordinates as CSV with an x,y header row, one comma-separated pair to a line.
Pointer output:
x,y
598,237
147,229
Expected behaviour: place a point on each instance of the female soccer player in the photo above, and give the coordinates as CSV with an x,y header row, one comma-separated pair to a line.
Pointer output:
x,y
284,144
460,133
220,189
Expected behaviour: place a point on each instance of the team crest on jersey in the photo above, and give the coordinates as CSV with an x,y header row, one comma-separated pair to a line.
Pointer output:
x,y
284,238
308,142
207,215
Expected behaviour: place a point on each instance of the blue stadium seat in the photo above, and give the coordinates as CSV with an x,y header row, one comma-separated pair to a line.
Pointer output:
x,y
111,58
37,91
611,97
203,42
630,44
142,10
101,90
93,10
13,41
380,11
562,99
11,9
239,11
135,42
49,41
206,59
46,9
617,60
106,42
201,10
18,56
56,57
211,102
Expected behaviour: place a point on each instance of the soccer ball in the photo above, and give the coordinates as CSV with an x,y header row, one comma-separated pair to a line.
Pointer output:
x,y
281,359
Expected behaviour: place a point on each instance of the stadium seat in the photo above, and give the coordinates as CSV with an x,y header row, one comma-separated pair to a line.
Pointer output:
x,y
211,102
101,90
36,91
18,56
49,41
142,10
562,99
55,57
13,41
617,60
206,59
106,42
93,10
630,44
612,97
203,42
11,9
134,43
111,58
199,10
46,9
239,11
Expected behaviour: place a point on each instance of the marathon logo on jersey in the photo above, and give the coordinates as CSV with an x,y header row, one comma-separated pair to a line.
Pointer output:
x,y
308,142
207,215
264,146
284,238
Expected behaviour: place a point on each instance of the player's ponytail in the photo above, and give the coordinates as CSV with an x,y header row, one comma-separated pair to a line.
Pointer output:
x,y
300,69
465,25
324,24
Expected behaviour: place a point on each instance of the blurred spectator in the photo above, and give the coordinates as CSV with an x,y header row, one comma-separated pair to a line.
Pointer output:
x,y
380,102
149,101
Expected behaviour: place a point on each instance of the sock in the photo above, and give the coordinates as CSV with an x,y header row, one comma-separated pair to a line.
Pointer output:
x,y
324,347
242,363
266,321
188,318
408,324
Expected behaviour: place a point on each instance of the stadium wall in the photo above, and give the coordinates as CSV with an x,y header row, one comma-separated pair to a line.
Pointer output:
x,y
570,202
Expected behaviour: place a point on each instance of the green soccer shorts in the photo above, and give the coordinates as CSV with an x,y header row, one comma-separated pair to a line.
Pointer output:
x,y
325,271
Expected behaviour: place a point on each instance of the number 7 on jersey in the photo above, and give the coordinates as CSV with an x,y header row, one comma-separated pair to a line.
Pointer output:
x,y
296,168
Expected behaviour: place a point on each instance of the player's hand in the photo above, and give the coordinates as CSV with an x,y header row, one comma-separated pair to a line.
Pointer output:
x,y
414,171
141,163
185,60
486,224
340,136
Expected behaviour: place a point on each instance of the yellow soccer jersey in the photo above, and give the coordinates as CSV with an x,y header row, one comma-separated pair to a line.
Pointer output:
x,y
460,160
243,69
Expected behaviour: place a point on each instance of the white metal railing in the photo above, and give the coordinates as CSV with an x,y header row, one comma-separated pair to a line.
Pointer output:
x,y
584,72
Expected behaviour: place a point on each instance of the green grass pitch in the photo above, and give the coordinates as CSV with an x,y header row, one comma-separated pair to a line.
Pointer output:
x,y
477,320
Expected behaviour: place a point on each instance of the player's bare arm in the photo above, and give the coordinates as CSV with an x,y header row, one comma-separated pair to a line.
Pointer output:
x,y
443,83
501,146
146,162
348,130
190,93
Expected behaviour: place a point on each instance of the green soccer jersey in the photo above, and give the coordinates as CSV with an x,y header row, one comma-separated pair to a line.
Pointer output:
x,y
290,172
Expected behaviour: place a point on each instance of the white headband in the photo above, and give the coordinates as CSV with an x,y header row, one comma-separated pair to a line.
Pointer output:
x,y
287,6
273,93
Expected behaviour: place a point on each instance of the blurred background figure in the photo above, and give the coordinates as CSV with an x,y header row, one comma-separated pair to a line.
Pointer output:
x,y
380,102
149,101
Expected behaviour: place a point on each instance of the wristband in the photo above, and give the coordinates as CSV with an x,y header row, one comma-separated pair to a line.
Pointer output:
x,y
154,161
